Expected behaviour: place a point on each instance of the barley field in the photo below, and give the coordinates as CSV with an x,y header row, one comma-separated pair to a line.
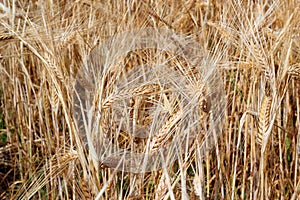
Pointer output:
x,y
129,99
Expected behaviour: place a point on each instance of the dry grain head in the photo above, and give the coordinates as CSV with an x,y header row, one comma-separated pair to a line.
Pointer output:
x,y
264,118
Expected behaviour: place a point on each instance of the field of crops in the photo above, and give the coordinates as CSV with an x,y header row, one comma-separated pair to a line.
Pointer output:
x,y
195,99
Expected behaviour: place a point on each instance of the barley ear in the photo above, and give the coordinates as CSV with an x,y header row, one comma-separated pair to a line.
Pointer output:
x,y
264,118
